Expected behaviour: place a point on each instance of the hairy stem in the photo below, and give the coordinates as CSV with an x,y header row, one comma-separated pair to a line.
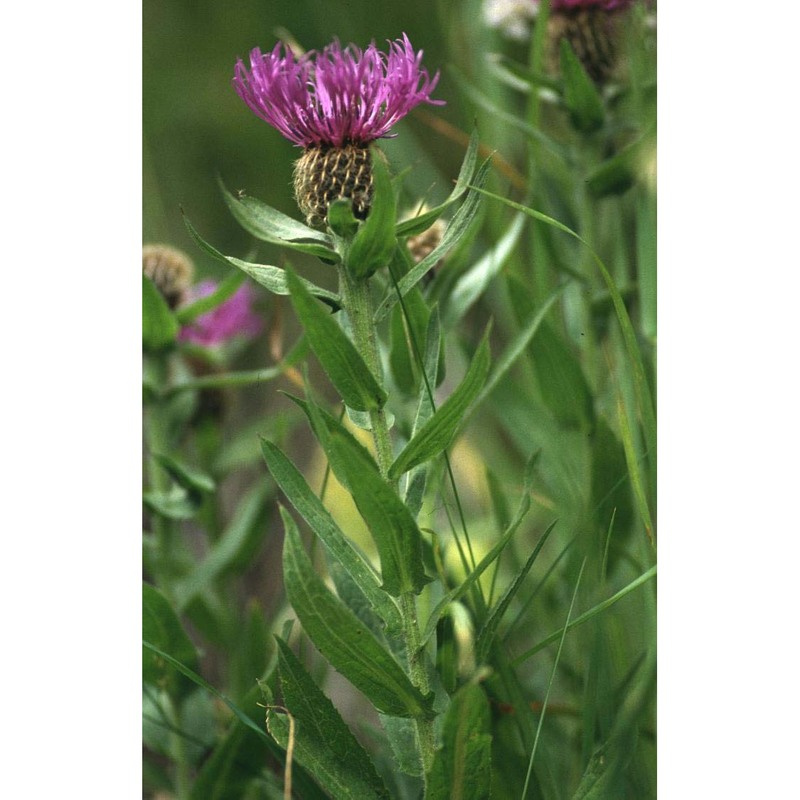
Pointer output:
x,y
358,304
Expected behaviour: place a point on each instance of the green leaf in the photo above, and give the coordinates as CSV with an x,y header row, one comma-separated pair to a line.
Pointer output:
x,y
161,626
420,223
271,278
617,174
644,398
174,503
226,289
500,114
336,353
561,380
409,321
270,225
516,347
462,768
581,97
340,218
190,478
309,506
489,629
587,615
393,528
375,240
485,563
159,326
473,283
437,433
455,231
596,778
236,547
323,743
343,639
238,759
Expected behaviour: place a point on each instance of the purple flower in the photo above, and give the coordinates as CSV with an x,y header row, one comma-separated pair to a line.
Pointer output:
x,y
602,5
232,318
336,97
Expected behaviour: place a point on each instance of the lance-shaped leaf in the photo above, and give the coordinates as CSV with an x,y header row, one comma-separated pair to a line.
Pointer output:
x,y
309,506
324,745
336,353
420,223
455,231
462,769
580,94
437,433
487,633
270,225
343,639
485,562
373,244
161,626
271,278
396,535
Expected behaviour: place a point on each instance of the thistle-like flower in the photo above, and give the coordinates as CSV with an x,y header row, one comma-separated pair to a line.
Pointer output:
x,y
228,320
334,104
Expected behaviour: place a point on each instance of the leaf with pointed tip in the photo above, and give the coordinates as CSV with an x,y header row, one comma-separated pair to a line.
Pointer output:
x,y
581,97
396,535
309,506
324,745
161,626
437,433
420,223
473,283
375,240
462,768
271,278
270,225
336,353
236,546
455,231
224,291
343,639
489,629
488,559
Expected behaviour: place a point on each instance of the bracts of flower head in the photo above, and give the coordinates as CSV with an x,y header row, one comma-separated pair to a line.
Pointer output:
x,y
333,104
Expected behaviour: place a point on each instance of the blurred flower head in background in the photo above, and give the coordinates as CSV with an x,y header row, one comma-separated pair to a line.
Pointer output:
x,y
171,271
334,103
231,319
590,26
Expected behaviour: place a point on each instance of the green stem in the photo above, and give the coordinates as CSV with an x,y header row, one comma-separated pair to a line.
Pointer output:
x,y
157,478
178,748
357,301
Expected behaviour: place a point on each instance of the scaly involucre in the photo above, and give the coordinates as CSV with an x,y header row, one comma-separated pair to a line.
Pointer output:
x,y
338,96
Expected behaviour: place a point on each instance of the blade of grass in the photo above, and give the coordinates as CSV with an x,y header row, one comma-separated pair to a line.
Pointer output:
x,y
552,678
592,612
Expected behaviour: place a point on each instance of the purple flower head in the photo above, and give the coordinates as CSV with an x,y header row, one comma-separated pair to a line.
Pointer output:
x,y
602,5
232,318
339,96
